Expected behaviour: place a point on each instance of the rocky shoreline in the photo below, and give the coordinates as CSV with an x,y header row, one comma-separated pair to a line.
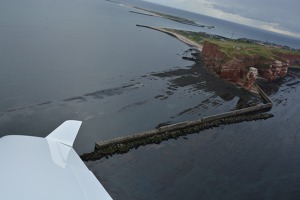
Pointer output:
x,y
240,61
217,62
166,131
111,147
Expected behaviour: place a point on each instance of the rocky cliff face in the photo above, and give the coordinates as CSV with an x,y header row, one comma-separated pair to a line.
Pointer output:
x,y
237,68
294,59
213,56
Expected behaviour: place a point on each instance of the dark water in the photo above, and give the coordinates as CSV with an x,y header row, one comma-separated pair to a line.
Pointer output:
x,y
249,160
87,60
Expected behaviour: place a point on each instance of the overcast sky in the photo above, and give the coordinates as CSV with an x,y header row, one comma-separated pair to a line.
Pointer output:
x,y
282,16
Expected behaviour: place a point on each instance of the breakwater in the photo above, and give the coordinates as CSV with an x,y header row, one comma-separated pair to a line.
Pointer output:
x,y
155,136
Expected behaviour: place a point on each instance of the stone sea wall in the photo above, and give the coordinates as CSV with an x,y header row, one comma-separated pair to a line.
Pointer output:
x,y
124,144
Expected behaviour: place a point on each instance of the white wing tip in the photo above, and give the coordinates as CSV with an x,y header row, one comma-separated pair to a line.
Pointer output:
x,y
66,132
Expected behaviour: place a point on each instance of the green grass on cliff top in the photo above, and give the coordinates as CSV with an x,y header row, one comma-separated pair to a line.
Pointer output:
x,y
194,36
235,47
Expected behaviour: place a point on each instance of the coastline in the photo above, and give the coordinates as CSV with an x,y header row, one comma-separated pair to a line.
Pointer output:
x,y
124,144
212,52
254,90
177,36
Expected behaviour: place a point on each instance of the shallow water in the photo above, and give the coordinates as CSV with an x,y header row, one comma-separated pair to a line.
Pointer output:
x,y
87,60
249,160
91,62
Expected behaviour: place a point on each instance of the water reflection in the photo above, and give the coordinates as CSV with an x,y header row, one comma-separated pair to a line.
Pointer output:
x,y
198,80
290,81
251,160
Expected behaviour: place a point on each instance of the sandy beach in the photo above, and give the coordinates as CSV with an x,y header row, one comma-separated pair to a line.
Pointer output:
x,y
179,37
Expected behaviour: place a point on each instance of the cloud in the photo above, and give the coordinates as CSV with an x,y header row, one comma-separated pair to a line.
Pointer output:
x,y
273,15
278,16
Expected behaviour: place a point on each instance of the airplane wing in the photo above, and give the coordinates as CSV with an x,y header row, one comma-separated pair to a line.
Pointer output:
x,y
65,133
46,168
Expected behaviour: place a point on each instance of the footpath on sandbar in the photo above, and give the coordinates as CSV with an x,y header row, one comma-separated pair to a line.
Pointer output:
x,y
179,37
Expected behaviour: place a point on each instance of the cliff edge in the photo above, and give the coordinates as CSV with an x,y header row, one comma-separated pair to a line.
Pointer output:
x,y
242,63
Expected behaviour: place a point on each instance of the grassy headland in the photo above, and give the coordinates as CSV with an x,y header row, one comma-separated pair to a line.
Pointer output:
x,y
239,61
234,47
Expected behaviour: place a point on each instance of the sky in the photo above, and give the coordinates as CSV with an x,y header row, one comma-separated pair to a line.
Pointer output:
x,y
281,16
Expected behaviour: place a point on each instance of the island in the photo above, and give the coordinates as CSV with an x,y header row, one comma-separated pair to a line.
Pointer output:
x,y
240,61
169,17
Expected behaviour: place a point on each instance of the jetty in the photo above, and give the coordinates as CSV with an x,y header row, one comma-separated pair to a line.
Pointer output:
x,y
124,144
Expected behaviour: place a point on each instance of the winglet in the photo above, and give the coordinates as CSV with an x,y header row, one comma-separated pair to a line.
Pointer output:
x,y
66,132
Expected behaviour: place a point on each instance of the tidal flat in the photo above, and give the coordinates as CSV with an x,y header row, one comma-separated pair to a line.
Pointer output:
x,y
61,62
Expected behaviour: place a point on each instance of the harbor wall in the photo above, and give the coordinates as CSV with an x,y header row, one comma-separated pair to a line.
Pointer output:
x,y
124,144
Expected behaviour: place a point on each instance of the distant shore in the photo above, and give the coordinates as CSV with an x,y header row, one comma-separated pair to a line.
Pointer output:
x,y
179,37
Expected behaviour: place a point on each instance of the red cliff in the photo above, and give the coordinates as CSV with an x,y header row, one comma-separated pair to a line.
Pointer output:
x,y
243,69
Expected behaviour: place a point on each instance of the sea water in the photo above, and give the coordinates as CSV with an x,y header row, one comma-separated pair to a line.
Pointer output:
x,y
87,60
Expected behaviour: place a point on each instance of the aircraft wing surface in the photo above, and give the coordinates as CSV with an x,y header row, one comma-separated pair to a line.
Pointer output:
x,y
46,168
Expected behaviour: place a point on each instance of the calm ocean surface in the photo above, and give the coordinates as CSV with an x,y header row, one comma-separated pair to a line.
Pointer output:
x,y
87,60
